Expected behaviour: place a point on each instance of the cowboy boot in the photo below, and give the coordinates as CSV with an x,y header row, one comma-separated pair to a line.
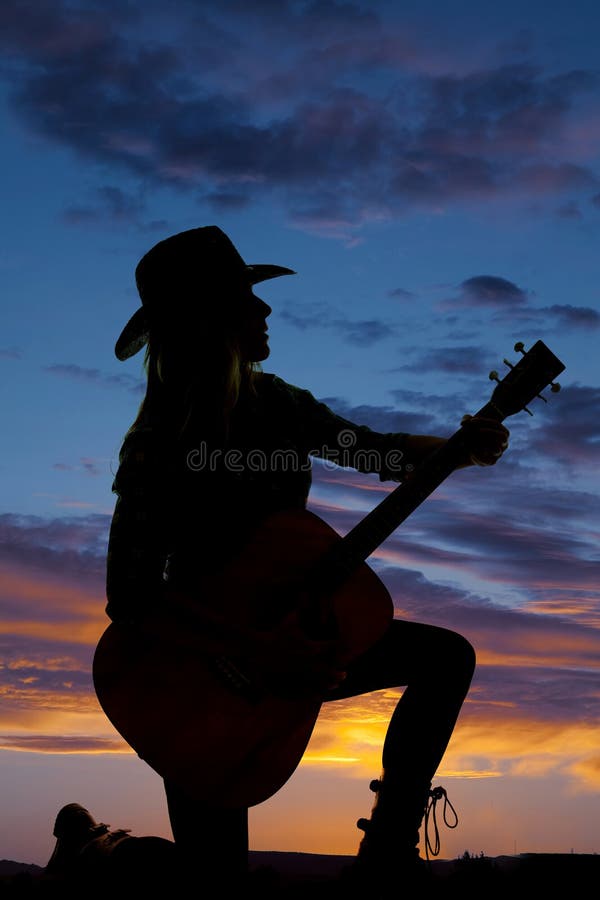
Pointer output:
x,y
388,859
74,828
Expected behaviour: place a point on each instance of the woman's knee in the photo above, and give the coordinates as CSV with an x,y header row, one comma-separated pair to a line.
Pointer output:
x,y
459,651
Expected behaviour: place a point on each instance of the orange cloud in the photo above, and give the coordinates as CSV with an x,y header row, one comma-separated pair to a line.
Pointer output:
x,y
350,734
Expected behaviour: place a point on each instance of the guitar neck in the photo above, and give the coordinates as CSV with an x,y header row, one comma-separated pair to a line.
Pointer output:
x,y
360,542
520,385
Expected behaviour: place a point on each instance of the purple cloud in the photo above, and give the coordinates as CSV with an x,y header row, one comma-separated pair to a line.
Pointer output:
x,y
95,376
73,547
360,333
568,316
491,291
385,419
547,636
188,101
110,203
89,466
467,360
570,431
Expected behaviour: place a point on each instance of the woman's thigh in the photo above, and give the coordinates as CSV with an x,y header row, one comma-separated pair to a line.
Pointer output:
x,y
406,651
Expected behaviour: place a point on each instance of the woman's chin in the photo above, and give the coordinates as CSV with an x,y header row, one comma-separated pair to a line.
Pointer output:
x,y
258,353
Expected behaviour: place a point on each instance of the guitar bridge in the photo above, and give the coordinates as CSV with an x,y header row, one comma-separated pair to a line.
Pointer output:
x,y
235,678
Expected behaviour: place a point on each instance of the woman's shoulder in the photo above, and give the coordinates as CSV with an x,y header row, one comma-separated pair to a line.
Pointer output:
x,y
276,387
143,444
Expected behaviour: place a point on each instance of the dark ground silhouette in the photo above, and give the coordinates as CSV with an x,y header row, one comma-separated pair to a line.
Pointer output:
x,y
294,875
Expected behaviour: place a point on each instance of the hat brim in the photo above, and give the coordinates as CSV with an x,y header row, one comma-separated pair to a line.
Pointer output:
x,y
137,330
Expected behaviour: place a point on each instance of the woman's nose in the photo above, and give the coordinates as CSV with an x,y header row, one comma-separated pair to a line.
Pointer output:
x,y
263,308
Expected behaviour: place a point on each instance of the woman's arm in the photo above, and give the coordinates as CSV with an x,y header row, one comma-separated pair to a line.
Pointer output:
x,y
388,454
485,442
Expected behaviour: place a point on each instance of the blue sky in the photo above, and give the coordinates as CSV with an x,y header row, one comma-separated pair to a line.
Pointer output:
x,y
431,172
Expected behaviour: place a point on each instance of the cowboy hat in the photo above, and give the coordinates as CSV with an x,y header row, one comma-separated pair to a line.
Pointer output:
x,y
203,255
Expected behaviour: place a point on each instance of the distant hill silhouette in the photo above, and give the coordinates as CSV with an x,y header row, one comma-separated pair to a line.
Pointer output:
x,y
469,876
292,875
9,867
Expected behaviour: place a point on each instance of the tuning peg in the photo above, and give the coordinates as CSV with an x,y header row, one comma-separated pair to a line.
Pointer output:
x,y
554,387
493,376
519,347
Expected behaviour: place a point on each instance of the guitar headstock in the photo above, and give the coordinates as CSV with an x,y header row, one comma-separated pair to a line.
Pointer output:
x,y
526,379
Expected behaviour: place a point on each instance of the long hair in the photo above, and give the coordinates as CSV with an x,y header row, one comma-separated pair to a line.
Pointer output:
x,y
193,393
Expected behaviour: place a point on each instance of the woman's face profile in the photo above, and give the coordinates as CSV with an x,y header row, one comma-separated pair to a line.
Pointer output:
x,y
251,326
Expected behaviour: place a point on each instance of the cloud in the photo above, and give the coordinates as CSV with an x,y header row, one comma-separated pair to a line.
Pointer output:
x,y
540,553
11,353
505,300
110,203
466,360
569,211
226,201
536,663
363,333
401,294
568,316
189,101
95,376
420,412
490,291
88,465
359,333
570,430
52,598
547,178
491,546
58,743
72,548
386,419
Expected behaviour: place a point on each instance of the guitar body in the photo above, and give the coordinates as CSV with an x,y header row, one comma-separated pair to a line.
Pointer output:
x,y
187,720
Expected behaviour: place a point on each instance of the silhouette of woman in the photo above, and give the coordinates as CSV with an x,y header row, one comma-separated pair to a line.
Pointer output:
x,y
185,507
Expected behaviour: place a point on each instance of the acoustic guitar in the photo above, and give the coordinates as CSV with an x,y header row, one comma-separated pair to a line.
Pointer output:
x,y
201,719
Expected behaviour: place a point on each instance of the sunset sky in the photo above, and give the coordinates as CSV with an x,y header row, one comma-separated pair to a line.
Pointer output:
x,y
431,171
